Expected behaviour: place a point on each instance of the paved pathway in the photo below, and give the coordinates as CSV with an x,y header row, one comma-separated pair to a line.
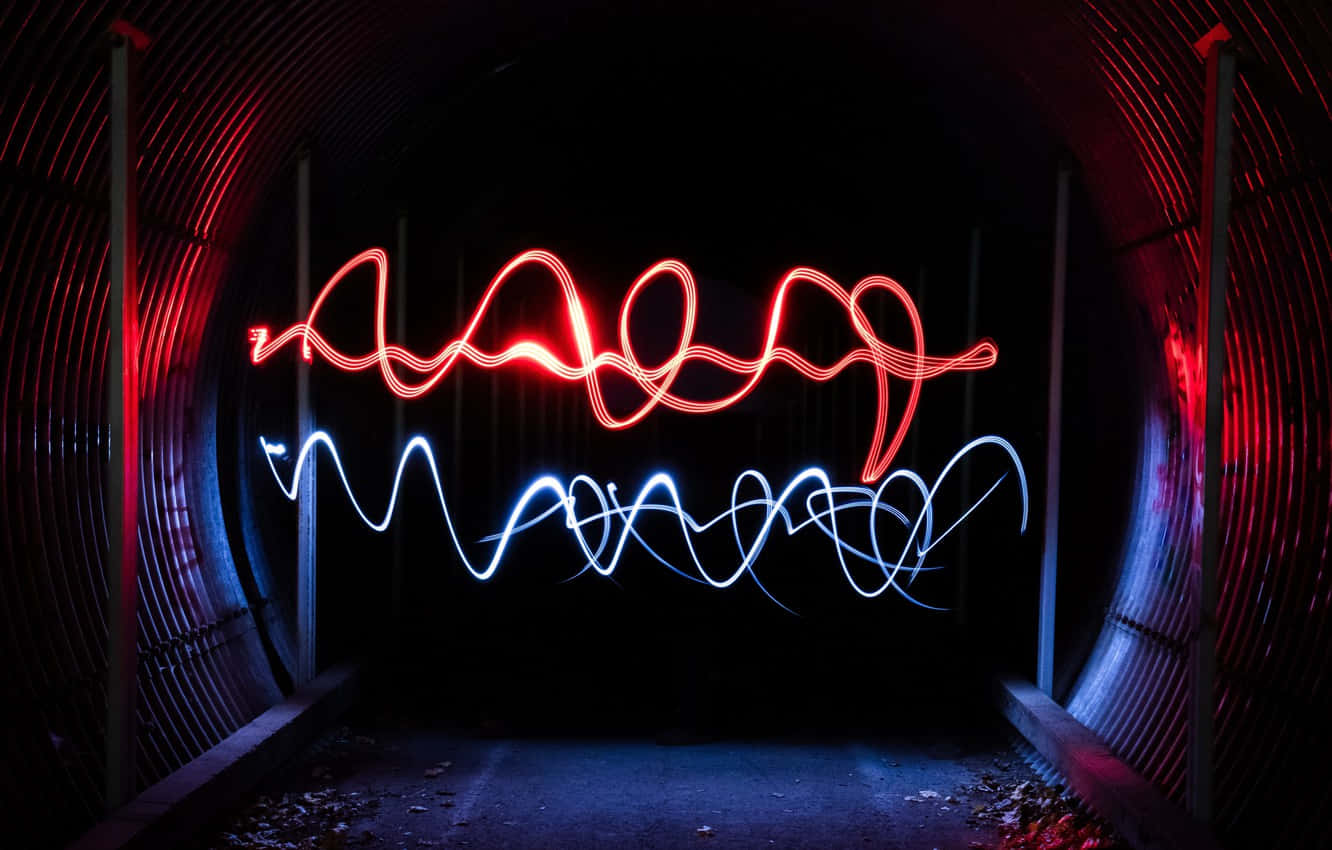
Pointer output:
x,y
413,788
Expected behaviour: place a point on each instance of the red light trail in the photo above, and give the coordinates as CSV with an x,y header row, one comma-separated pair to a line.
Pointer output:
x,y
913,366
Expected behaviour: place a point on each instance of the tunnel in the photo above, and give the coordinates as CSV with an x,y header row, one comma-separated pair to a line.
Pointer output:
x,y
660,172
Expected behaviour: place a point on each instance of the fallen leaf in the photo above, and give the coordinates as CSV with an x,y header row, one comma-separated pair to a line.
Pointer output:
x,y
417,809
432,772
705,831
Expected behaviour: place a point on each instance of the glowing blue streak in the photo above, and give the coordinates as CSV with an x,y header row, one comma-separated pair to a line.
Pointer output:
x,y
823,516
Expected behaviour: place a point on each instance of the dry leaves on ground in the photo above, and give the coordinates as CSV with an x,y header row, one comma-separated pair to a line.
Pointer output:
x,y
1034,816
314,820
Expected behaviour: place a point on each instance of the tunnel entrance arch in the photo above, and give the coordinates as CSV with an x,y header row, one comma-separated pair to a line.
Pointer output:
x,y
1116,83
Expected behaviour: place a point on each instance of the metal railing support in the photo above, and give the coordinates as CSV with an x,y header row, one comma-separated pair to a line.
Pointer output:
x,y
306,589
1212,279
461,318
913,454
968,425
122,377
399,412
1045,624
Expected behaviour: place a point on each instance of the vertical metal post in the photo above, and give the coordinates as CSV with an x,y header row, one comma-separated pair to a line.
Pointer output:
x,y
1045,623
458,381
557,432
492,474
853,413
122,376
1213,276
880,321
914,452
399,413
968,425
306,596
804,421
586,428
834,458
541,450
542,437
816,449
522,400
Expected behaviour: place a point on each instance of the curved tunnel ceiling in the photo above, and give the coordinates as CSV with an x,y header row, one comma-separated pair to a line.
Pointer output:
x,y
229,91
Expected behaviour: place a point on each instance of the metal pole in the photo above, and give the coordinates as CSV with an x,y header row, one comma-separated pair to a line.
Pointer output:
x,y
790,432
586,427
758,441
968,424
492,474
914,452
458,381
557,434
834,407
522,402
880,320
306,596
542,438
399,414
816,450
1212,281
1045,623
122,376
804,421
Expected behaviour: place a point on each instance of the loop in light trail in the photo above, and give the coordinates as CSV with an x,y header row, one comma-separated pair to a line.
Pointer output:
x,y
913,366
822,505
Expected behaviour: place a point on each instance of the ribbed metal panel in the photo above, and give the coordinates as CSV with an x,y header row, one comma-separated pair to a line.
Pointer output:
x,y
231,90
1273,641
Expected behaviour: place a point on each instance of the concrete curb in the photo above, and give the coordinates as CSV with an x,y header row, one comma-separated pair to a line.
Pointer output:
x,y
175,808
1141,814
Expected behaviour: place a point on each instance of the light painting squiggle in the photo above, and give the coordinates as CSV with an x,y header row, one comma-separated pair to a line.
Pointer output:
x,y
822,505
913,366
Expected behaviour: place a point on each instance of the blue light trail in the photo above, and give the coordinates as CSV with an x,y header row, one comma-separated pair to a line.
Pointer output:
x,y
822,505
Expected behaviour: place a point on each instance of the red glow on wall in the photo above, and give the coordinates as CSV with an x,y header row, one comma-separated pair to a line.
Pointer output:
x,y
912,366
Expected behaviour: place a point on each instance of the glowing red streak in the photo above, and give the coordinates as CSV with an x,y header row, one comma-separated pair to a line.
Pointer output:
x,y
913,366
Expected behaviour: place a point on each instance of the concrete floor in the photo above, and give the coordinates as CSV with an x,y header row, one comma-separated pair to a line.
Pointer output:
x,y
415,788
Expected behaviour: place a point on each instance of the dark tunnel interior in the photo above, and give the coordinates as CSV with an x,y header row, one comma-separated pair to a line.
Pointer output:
x,y
920,142
717,150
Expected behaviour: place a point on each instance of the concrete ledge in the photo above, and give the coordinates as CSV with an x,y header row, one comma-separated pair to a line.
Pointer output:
x,y
173,809
1143,816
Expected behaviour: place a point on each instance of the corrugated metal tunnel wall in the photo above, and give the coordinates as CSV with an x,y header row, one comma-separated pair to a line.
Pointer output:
x,y
231,90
